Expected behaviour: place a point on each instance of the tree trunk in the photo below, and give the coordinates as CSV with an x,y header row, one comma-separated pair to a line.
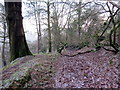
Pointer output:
x,y
118,31
18,44
49,31
56,31
38,25
79,18
39,34
3,46
118,37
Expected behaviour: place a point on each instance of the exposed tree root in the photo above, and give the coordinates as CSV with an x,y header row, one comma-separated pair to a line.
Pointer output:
x,y
76,54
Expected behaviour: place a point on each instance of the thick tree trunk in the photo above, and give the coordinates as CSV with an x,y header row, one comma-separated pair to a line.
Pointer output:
x,y
18,44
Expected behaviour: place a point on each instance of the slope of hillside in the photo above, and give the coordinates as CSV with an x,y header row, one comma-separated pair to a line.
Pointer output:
x,y
24,70
85,68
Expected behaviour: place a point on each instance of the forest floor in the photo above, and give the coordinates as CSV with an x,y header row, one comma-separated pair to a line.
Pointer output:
x,y
89,70
72,69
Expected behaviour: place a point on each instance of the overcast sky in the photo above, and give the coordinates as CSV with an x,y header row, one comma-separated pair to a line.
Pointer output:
x,y
29,28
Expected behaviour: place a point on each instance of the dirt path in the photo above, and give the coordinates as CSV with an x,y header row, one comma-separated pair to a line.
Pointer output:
x,y
90,70
70,70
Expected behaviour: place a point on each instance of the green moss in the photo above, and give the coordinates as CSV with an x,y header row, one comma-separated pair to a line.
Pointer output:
x,y
10,64
18,79
93,50
12,58
22,81
111,62
23,75
85,74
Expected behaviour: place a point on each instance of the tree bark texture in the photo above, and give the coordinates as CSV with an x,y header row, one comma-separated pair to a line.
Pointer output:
x,y
3,46
18,44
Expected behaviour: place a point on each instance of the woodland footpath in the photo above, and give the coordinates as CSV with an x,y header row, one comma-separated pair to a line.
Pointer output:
x,y
84,68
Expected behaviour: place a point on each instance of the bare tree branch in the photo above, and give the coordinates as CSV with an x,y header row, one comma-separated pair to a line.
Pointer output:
x,y
114,4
